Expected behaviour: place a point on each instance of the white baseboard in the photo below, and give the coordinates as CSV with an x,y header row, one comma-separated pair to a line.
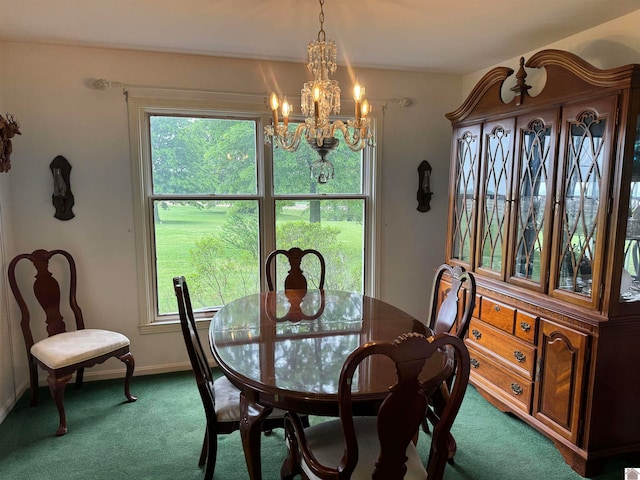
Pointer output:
x,y
11,402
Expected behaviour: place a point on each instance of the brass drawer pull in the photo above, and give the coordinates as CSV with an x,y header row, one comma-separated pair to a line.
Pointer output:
x,y
476,334
474,363
497,308
525,326
521,357
517,389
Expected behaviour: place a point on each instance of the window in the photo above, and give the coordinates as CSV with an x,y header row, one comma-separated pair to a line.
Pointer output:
x,y
212,200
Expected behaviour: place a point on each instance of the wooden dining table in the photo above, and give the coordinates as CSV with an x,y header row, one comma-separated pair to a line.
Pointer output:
x,y
285,349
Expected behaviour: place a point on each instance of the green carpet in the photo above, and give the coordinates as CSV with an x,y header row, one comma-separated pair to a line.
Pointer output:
x,y
160,436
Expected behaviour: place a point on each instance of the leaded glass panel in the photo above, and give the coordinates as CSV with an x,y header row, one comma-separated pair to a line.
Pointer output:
x,y
579,225
465,189
496,181
533,188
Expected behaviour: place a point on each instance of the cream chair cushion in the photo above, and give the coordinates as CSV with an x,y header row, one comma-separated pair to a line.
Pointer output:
x,y
227,398
325,441
76,346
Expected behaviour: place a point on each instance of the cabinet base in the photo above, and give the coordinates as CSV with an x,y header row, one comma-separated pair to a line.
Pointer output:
x,y
582,466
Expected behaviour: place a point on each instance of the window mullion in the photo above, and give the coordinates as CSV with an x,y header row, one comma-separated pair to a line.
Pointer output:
x,y
267,207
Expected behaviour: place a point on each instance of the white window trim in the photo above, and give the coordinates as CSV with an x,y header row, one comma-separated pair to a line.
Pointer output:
x,y
143,101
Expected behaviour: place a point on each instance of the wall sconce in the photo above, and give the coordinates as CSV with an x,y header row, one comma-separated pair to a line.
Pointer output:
x,y
62,197
424,186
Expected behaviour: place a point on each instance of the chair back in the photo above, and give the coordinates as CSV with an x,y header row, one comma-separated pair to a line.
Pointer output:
x,y
197,356
445,312
402,411
46,290
295,279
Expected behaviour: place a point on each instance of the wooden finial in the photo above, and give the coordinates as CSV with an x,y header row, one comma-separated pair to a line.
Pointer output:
x,y
521,87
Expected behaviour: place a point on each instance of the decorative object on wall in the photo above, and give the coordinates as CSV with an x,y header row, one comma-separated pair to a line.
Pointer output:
x,y
424,186
319,98
9,128
62,197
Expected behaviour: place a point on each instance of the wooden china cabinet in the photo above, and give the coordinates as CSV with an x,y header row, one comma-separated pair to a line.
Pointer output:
x,y
545,209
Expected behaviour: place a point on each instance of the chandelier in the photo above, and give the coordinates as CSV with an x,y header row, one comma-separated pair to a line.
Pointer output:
x,y
319,99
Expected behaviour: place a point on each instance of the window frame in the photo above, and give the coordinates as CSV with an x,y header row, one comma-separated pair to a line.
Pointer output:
x,y
144,104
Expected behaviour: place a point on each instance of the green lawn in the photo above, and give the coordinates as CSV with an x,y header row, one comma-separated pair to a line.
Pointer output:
x,y
181,226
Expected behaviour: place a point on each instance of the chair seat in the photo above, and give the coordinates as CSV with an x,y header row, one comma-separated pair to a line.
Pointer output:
x,y
69,348
228,401
320,439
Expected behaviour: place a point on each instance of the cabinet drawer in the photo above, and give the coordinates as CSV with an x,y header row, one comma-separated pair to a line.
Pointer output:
x,y
497,314
526,326
517,353
517,389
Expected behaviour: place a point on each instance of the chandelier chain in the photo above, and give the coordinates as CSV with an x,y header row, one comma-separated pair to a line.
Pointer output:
x,y
321,34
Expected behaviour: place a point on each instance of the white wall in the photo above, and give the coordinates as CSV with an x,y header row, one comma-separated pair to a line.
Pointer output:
x,y
609,45
7,384
47,88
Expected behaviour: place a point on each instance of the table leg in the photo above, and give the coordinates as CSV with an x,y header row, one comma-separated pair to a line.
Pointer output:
x,y
250,431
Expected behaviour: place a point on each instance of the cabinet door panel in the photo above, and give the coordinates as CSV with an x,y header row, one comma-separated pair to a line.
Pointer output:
x,y
495,197
464,185
533,182
560,378
582,200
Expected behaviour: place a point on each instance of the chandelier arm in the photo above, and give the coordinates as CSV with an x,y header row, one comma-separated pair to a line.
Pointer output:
x,y
356,141
283,137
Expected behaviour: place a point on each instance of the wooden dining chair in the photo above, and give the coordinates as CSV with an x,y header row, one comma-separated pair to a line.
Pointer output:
x,y
381,447
450,312
220,398
449,308
64,351
295,278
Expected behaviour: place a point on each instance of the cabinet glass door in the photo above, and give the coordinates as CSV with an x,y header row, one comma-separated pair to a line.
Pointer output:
x,y
586,157
465,184
533,199
495,196
630,278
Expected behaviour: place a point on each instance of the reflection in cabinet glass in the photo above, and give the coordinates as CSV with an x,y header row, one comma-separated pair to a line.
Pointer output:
x,y
465,188
533,189
630,281
495,183
582,200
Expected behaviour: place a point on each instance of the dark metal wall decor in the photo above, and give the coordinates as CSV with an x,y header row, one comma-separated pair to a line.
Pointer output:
x,y
62,197
9,128
424,186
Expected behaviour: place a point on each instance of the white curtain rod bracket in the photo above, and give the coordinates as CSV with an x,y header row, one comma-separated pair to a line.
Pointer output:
x,y
404,102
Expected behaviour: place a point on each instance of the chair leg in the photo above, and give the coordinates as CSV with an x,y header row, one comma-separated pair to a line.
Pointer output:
x,y
205,449
33,381
305,421
451,448
130,362
425,424
56,387
79,377
212,447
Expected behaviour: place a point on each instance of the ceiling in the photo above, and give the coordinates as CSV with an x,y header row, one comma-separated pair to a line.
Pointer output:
x,y
455,36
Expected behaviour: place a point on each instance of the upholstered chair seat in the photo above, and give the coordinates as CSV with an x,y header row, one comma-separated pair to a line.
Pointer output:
x,y
77,346
321,440
228,402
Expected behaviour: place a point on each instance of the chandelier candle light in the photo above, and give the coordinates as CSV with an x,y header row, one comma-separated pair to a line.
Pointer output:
x,y
319,99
